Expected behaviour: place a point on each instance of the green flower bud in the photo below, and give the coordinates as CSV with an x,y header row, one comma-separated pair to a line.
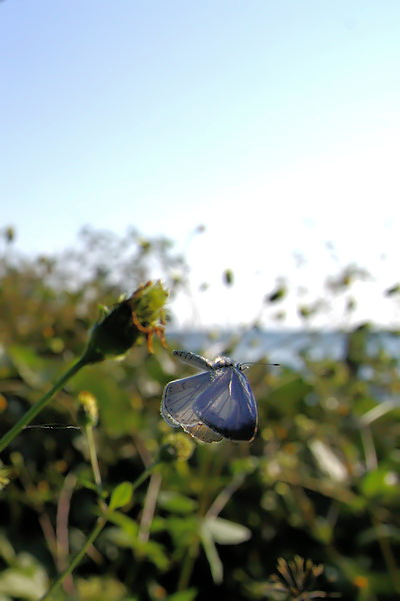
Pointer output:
x,y
176,447
90,414
140,316
4,479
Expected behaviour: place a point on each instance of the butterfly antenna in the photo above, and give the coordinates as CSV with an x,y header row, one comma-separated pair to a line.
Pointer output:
x,y
259,363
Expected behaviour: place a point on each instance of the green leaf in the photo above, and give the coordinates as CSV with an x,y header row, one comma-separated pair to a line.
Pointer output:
x,y
214,561
276,295
381,483
126,538
121,495
6,550
100,588
26,579
115,403
379,532
395,289
175,502
182,531
34,370
90,485
289,394
228,277
127,524
154,552
225,532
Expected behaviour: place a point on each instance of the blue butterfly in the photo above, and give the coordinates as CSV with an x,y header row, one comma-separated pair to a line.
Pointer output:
x,y
212,405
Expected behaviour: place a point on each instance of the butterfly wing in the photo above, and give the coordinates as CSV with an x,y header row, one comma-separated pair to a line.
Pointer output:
x,y
227,405
194,360
177,406
179,396
202,432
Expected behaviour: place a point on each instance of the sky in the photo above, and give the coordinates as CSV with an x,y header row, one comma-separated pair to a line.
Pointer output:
x,y
275,125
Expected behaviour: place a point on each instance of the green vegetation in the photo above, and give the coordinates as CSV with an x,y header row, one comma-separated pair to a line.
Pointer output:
x,y
121,508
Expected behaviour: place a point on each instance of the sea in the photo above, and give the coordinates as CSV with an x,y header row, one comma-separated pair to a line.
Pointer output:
x,y
286,347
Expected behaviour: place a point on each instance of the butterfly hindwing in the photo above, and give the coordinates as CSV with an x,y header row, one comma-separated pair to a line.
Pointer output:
x,y
203,432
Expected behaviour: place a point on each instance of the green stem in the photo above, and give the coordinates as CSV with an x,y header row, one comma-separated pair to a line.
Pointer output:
x,y
93,457
98,527
206,475
144,475
387,553
101,522
188,564
41,404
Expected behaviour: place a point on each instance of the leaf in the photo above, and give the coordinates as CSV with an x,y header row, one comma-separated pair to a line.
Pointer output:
x,y
25,580
225,532
32,368
228,277
101,588
276,295
188,595
182,531
129,526
214,561
6,550
121,495
395,289
381,483
115,403
126,538
289,394
175,502
328,460
90,485
379,532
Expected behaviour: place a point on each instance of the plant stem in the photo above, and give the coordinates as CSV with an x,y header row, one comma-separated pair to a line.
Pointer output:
x,y
188,564
194,545
93,457
41,404
144,475
387,552
98,527
101,522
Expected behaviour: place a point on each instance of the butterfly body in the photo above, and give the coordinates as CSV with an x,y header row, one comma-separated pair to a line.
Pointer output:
x,y
215,404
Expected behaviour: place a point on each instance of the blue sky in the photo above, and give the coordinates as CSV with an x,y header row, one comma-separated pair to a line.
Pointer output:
x,y
274,124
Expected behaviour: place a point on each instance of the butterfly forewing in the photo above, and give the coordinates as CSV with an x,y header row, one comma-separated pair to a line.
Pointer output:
x,y
228,406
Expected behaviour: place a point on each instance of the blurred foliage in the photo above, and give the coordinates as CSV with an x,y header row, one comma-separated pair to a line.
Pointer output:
x,y
310,508
277,295
228,277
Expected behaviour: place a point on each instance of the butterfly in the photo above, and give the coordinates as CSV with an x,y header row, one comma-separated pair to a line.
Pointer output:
x,y
215,404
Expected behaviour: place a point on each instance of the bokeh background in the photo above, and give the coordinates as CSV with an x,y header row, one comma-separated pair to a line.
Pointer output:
x,y
274,125
246,153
